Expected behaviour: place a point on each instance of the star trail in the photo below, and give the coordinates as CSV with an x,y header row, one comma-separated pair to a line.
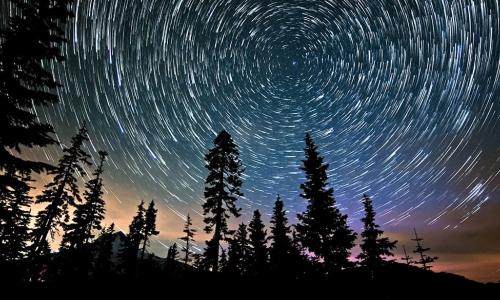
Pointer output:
x,y
403,98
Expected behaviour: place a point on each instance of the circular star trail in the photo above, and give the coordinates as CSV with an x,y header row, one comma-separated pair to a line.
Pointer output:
x,y
402,97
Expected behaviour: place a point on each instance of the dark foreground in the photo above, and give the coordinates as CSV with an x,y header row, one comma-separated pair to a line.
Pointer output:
x,y
396,281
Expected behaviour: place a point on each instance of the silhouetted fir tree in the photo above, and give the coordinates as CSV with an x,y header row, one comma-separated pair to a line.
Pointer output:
x,y
373,247
279,252
258,242
408,259
209,255
88,216
425,260
322,229
222,188
61,192
76,248
33,38
172,256
104,251
149,226
223,261
133,240
187,238
238,252
299,264
15,220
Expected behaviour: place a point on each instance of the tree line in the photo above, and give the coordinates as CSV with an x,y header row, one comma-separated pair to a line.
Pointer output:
x,y
319,244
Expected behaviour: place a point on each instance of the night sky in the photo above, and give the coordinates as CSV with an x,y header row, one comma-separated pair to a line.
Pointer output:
x,y
402,97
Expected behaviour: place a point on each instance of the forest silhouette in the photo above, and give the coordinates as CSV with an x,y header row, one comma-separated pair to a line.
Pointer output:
x,y
315,249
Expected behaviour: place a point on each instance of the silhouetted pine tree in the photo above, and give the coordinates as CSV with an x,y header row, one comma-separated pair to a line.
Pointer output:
x,y
15,220
76,248
61,192
33,37
133,241
88,216
425,260
299,264
104,251
322,229
258,243
222,189
208,256
239,252
149,226
373,247
279,252
172,256
223,261
187,238
407,258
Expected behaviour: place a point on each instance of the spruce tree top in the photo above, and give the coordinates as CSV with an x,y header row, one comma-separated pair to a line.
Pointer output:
x,y
223,183
150,220
136,227
279,219
373,246
322,229
257,229
279,228
65,173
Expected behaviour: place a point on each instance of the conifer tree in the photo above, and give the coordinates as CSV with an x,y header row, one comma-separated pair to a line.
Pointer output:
x,y
222,188
299,264
223,261
15,220
104,252
239,251
33,38
425,260
133,241
279,251
258,243
61,192
408,259
172,256
88,216
373,247
322,229
149,226
187,238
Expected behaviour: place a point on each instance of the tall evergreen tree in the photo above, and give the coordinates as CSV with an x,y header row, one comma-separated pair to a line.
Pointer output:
x,y
133,241
239,252
149,226
104,252
15,220
61,192
222,189
32,39
189,232
279,251
88,216
258,243
425,260
322,229
373,247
